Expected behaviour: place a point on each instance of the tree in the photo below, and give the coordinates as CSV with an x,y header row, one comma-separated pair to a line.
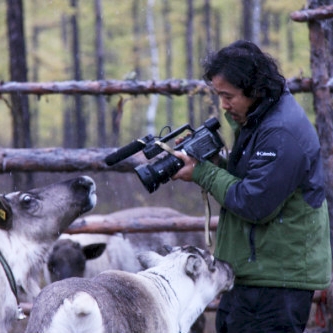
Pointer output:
x,y
151,112
67,122
18,72
251,20
189,58
100,101
168,62
321,36
79,124
21,135
247,19
256,20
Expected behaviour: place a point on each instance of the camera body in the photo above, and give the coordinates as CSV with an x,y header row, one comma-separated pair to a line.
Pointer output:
x,y
202,143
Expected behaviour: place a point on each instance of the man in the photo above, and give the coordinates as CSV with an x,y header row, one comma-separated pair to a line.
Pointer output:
x,y
273,225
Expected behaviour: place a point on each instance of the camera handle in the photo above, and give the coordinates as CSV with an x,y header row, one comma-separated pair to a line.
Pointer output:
x,y
204,193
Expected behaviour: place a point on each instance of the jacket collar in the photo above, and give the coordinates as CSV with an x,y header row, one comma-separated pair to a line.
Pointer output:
x,y
256,115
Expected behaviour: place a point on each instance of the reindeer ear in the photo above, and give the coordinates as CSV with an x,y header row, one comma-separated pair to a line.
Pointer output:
x,y
167,248
149,259
5,214
93,251
192,267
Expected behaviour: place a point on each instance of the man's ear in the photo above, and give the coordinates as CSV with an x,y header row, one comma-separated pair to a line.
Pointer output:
x,y
5,214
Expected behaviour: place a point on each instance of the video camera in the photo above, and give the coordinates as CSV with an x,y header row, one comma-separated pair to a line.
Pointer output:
x,y
202,143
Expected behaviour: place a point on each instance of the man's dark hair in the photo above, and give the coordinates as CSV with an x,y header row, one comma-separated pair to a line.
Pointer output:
x,y
246,67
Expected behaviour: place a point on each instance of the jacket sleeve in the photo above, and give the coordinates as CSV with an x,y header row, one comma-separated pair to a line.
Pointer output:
x,y
274,170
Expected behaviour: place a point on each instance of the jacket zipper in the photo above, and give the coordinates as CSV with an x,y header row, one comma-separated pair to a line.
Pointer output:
x,y
252,238
252,243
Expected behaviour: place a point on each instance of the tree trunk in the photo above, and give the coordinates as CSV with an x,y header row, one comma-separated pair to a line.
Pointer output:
x,y
218,30
100,100
265,28
320,38
213,108
168,60
21,135
152,108
117,114
79,121
247,19
189,58
256,22
35,78
290,42
137,36
18,73
67,121
208,26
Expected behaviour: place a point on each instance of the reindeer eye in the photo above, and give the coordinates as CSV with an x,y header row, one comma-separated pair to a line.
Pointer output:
x,y
27,201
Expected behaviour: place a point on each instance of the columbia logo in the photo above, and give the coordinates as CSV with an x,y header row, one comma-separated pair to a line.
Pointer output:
x,y
266,154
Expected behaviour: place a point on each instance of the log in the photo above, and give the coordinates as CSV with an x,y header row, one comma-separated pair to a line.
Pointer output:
x,y
64,160
140,219
112,87
108,87
141,224
320,13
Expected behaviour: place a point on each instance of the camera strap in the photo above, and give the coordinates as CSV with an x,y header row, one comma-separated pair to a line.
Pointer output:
x,y
208,239
165,147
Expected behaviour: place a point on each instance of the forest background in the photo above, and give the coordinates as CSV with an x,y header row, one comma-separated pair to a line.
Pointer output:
x,y
138,40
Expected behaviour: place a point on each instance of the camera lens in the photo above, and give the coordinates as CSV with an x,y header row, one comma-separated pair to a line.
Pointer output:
x,y
152,175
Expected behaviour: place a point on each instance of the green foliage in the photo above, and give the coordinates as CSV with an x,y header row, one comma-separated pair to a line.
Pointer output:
x,y
52,55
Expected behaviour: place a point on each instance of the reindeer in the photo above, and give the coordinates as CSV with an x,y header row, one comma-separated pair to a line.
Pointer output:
x,y
30,222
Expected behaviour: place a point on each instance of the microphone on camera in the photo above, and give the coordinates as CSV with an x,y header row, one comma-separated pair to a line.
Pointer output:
x,y
124,152
128,150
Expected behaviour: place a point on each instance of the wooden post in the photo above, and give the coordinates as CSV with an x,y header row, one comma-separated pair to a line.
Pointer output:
x,y
320,36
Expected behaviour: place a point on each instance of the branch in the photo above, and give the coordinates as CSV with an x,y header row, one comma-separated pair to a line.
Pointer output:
x,y
320,13
64,160
297,85
131,87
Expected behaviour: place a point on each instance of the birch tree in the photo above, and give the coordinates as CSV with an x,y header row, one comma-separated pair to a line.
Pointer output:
x,y
189,58
168,62
152,107
256,20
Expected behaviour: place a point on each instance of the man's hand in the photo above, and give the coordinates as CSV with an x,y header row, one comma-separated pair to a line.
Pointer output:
x,y
185,173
